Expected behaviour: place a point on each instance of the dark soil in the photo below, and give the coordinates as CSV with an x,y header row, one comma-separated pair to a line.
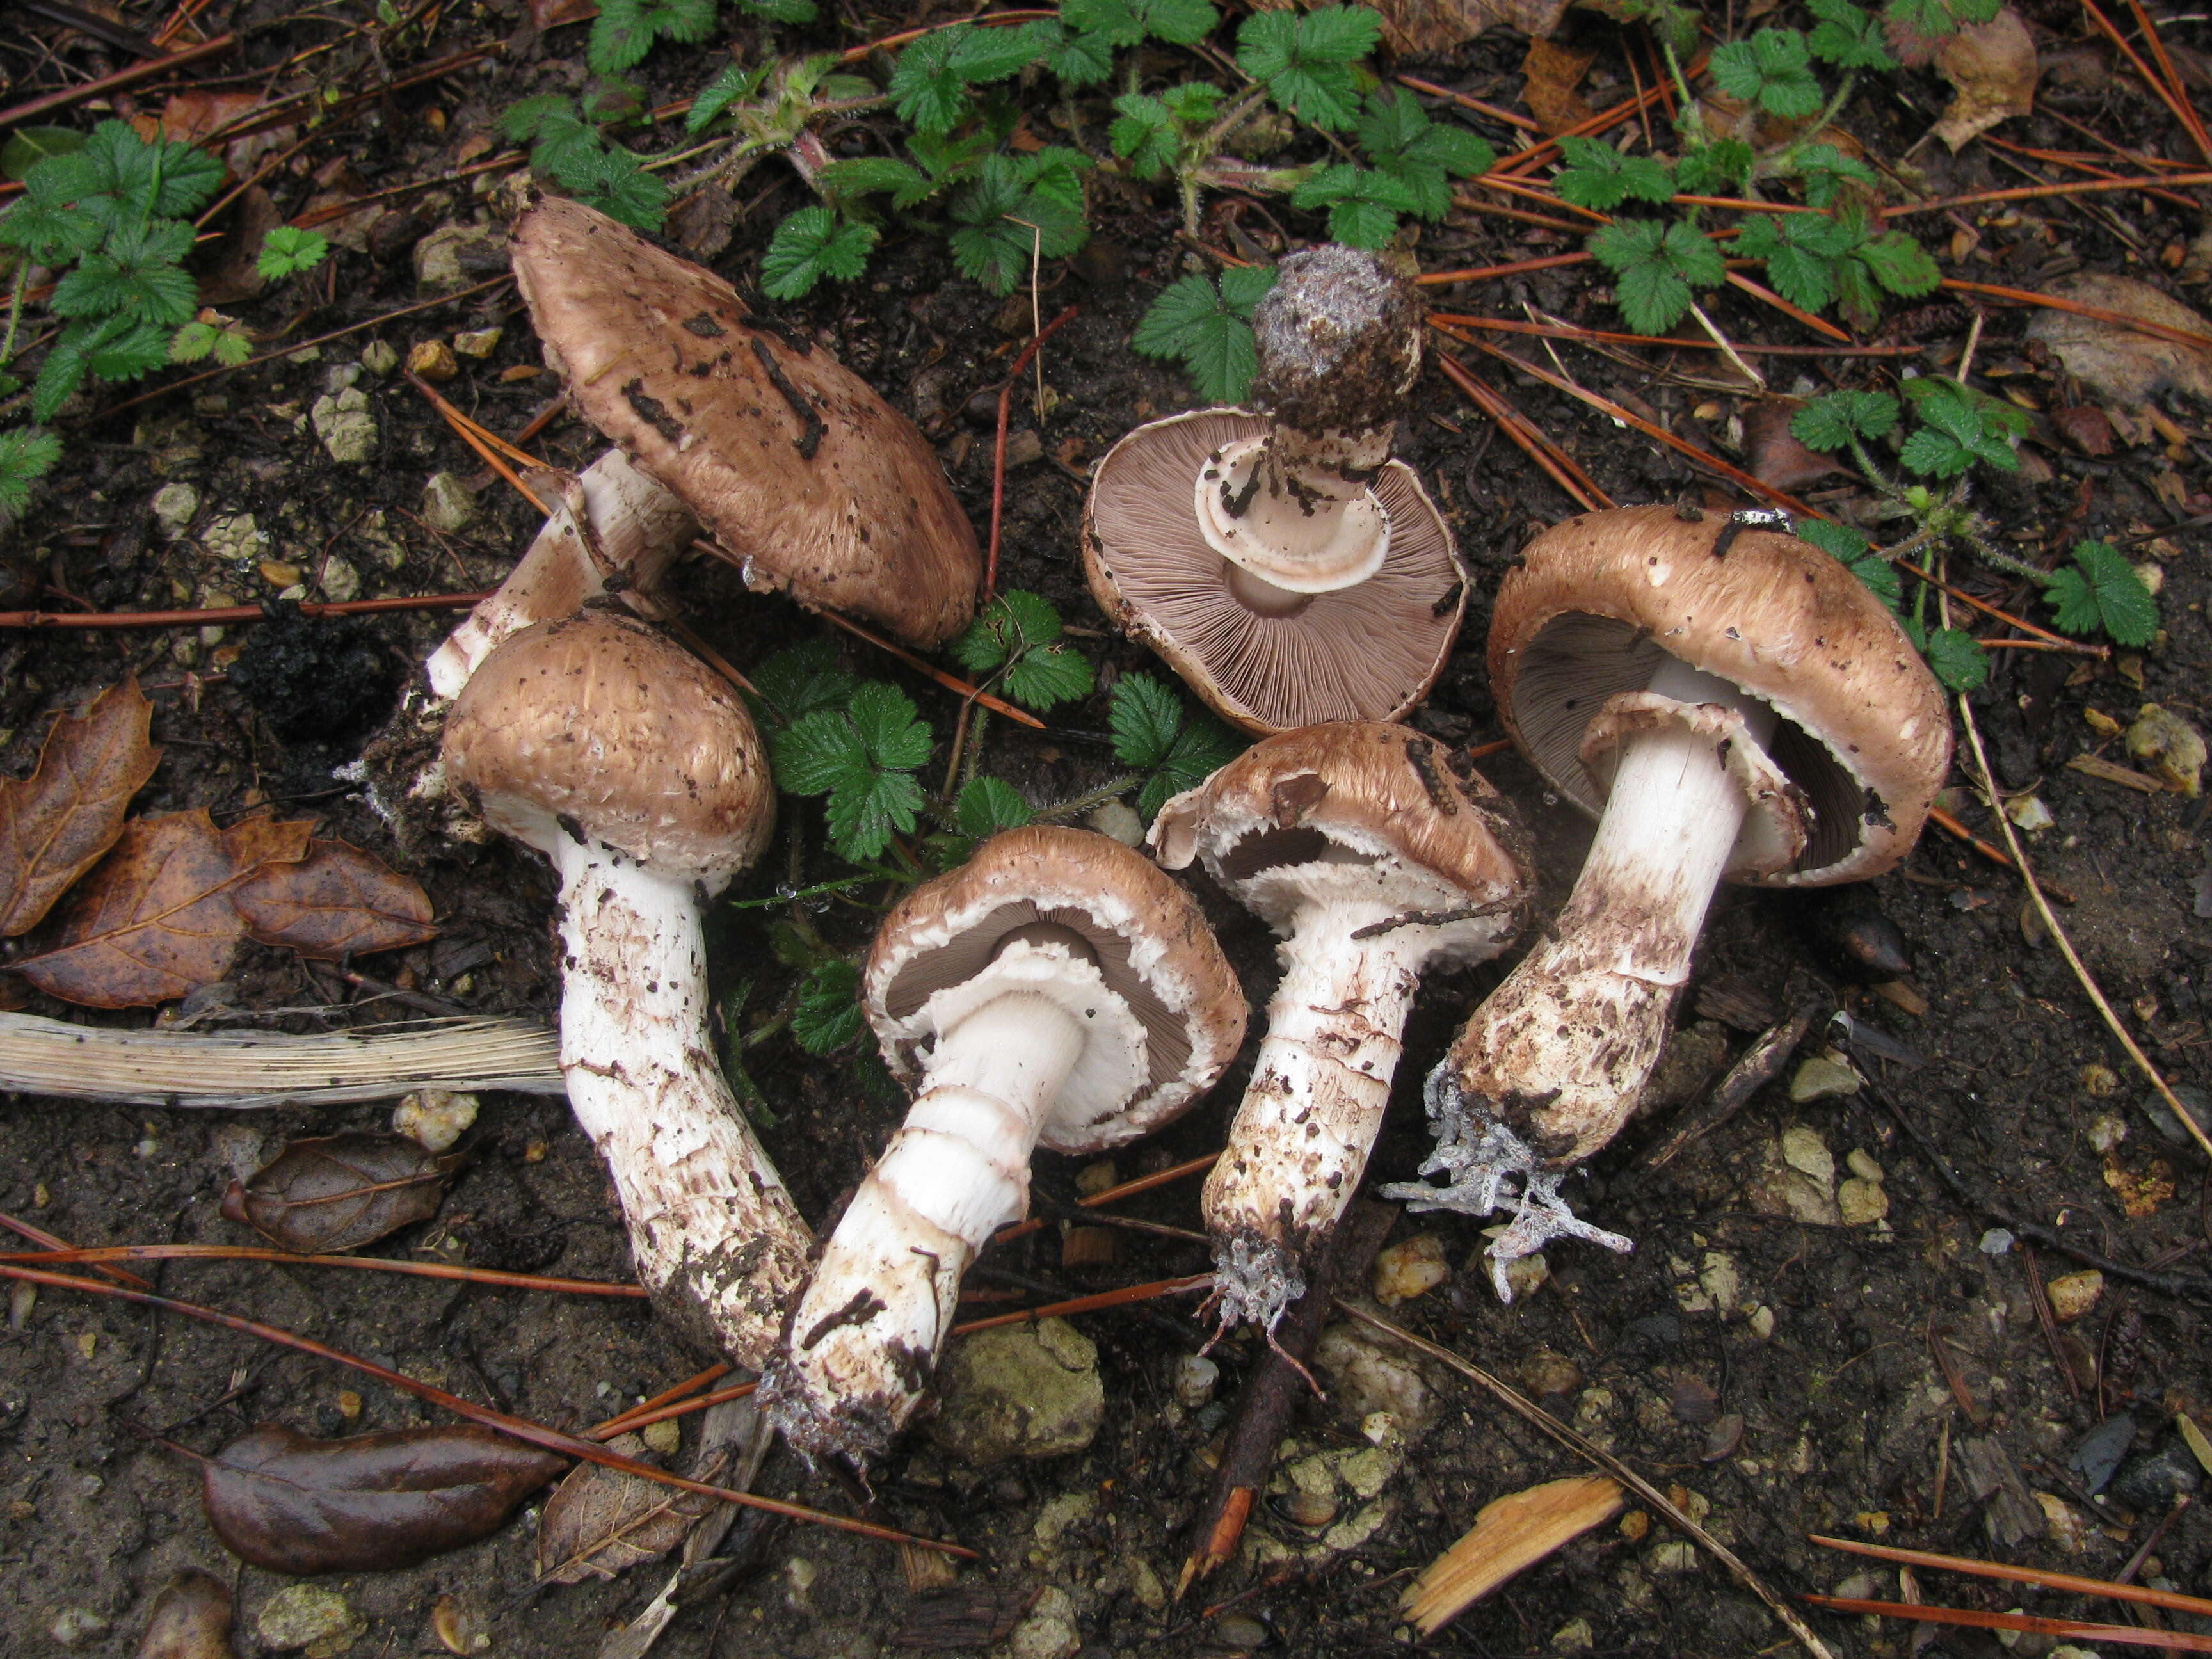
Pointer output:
x,y
1849,1424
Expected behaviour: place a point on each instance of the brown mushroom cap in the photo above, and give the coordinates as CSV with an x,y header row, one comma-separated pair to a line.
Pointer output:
x,y
1864,730
597,729
1367,652
1380,793
803,473
1154,950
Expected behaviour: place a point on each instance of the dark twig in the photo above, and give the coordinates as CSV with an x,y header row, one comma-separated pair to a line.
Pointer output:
x,y
224,615
999,449
107,83
2049,1321
1758,1066
1272,1388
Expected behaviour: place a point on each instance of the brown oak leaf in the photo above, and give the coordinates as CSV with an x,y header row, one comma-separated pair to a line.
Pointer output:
x,y
340,1192
337,901
55,824
155,918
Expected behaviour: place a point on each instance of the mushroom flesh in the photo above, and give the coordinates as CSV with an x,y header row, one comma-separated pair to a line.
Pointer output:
x,y
638,774
1058,987
1734,704
1374,857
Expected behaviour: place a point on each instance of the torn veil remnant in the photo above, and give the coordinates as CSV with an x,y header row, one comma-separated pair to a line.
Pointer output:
x,y
1057,988
1374,856
1281,562
1757,717
637,772
806,479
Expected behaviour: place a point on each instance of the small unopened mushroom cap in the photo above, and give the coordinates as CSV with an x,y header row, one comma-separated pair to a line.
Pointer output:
x,y
596,729
1864,732
1154,950
1378,797
1367,652
1339,338
802,472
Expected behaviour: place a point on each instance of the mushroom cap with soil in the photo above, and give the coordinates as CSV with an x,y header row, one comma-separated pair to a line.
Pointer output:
x,y
1281,562
1733,704
1373,854
637,772
1058,988
806,478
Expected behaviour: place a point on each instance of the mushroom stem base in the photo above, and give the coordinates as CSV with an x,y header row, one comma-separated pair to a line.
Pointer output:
x,y
715,1234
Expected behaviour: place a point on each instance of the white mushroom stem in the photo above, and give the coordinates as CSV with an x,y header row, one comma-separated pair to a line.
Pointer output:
x,y
866,1336
612,526
1553,1063
1320,1086
709,1218
1294,513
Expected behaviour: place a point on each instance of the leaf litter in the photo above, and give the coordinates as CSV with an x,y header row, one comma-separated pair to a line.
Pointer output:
x,y
340,1192
55,824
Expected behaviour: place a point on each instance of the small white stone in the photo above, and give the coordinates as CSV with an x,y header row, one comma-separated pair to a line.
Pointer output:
x,y
1822,1078
1721,1282
1197,1377
1762,1322
1862,1203
2106,1131
380,358
1574,1637
175,504
1525,1275
2073,1295
1803,1150
2028,812
664,1437
434,1118
339,580
1411,1267
344,426
235,540
1996,1241
448,504
1863,1166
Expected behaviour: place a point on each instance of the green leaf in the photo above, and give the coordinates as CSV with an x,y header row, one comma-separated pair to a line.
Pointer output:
x,y
136,274
1144,717
613,182
1958,662
891,734
826,1015
2103,591
1009,625
1847,37
1193,103
1657,265
926,89
863,757
1076,59
25,456
1015,212
1772,69
809,245
864,817
1050,675
626,30
1364,204
801,681
114,348
1851,549
1178,22
989,806
1936,454
1209,329
49,232
1718,168
1598,176
982,55
522,123
1962,428
867,175
286,252
1801,251
1145,132
1200,749
1900,264
1924,23
28,146
1831,421
731,86
778,11
1826,170
1305,59
817,753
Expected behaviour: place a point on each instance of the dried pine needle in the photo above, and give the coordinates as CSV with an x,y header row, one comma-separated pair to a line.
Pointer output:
x,y
1514,1532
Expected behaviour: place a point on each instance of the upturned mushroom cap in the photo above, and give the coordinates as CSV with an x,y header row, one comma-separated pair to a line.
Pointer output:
x,y
1863,731
1434,834
1154,951
1367,652
808,478
596,729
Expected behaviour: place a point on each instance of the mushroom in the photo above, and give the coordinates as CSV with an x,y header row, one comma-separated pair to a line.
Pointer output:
x,y
638,774
807,479
1281,562
1373,858
1056,987
1731,702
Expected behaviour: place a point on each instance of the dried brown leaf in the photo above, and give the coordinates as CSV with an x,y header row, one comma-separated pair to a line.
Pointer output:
x,y
1510,1533
192,1619
2111,359
1776,459
2085,428
551,14
600,1522
1554,74
368,1504
232,267
55,824
335,902
982,1616
155,918
1416,26
1992,70
340,1192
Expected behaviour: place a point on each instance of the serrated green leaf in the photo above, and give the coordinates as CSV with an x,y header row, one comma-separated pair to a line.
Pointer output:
x,y
1936,454
817,752
1243,288
810,244
1958,662
28,146
1714,169
827,1015
981,55
2070,593
1847,37
731,86
626,30
1144,717
1012,622
1014,213
612,181
1049,675
1145,132
2104,588
1772,69
1826,170
1831,420
1208,330
891,734
989,806
1305,60
1900,264
286,252
25,456
863,818
800,680
50,232
1657,265
1179,23
925,90
842,182
1075,59
779,11
520,124
1599,177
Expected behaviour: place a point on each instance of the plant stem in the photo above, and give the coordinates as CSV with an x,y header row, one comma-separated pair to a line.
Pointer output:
x,y
1990,553
1781,163
1090,797
15,309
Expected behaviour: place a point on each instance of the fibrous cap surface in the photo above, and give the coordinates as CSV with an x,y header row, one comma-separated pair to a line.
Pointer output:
x,y
1864,733
804,476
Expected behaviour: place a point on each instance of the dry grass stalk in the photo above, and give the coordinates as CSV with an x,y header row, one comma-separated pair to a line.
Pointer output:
x,y
1511,1533
42,1056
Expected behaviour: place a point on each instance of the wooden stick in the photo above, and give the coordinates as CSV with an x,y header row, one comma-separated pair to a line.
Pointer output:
x,y
106,83
2044,1577
1757,1067
379,1264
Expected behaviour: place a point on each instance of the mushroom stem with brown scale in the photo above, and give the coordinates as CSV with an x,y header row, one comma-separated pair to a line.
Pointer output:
x,y
1068,993
1373,860
637,772
1281,562
1735,706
